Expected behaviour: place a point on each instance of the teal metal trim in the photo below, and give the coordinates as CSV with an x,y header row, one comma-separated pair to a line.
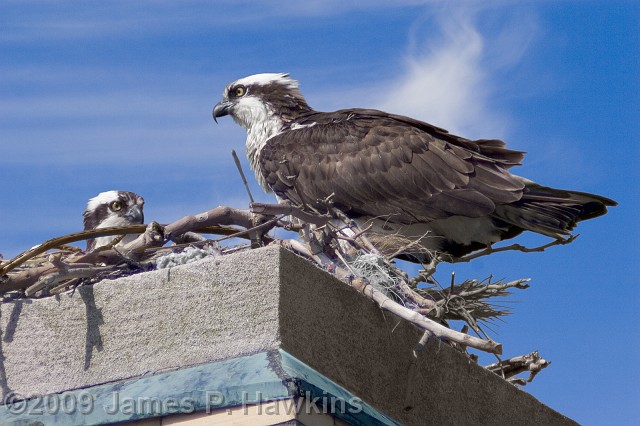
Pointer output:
x,y
335,399
265,376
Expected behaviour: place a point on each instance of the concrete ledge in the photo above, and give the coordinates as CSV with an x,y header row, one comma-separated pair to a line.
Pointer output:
x,y
243,304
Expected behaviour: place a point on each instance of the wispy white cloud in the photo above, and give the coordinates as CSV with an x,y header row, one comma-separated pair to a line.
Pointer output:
x,y
451,77
454,75
135,131
456,71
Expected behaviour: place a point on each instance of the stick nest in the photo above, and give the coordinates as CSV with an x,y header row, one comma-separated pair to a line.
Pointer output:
x,y
331,240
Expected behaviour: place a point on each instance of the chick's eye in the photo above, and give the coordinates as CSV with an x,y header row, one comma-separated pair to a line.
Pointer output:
x,y
239,91
115,206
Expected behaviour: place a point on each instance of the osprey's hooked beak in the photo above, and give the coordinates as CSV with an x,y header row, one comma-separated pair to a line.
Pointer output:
x,y
135,215
221,109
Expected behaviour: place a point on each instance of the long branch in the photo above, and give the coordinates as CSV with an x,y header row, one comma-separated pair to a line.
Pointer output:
x,y
513,247
95,233
66,239
285,209
423,322
386,303
218,216
73,271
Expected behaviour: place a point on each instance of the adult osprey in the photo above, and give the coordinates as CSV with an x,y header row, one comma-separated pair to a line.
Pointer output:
x,y
405,177
112,208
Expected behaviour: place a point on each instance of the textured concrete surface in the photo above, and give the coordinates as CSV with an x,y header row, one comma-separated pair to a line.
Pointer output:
x,y
208,310
246,303
370,352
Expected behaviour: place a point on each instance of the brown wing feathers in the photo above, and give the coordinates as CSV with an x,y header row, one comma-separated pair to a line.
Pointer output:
x,y
379,164
376,165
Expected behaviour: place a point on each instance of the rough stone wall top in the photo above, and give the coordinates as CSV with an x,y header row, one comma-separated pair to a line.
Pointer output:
x,y
209,310
241,304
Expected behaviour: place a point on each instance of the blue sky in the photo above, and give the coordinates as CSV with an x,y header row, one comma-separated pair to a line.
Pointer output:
x,y
118,95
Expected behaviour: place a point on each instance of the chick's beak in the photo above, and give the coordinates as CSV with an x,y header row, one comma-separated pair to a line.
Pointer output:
x,y
221,109
135,215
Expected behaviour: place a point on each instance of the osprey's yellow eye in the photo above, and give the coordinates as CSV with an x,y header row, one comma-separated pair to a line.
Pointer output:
x,y
240,91
115,206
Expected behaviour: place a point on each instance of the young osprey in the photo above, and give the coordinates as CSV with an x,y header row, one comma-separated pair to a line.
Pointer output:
x,y
112,208
405,177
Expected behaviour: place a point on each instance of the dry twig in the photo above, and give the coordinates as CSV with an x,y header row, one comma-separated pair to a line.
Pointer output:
x,y
153,235
532,363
